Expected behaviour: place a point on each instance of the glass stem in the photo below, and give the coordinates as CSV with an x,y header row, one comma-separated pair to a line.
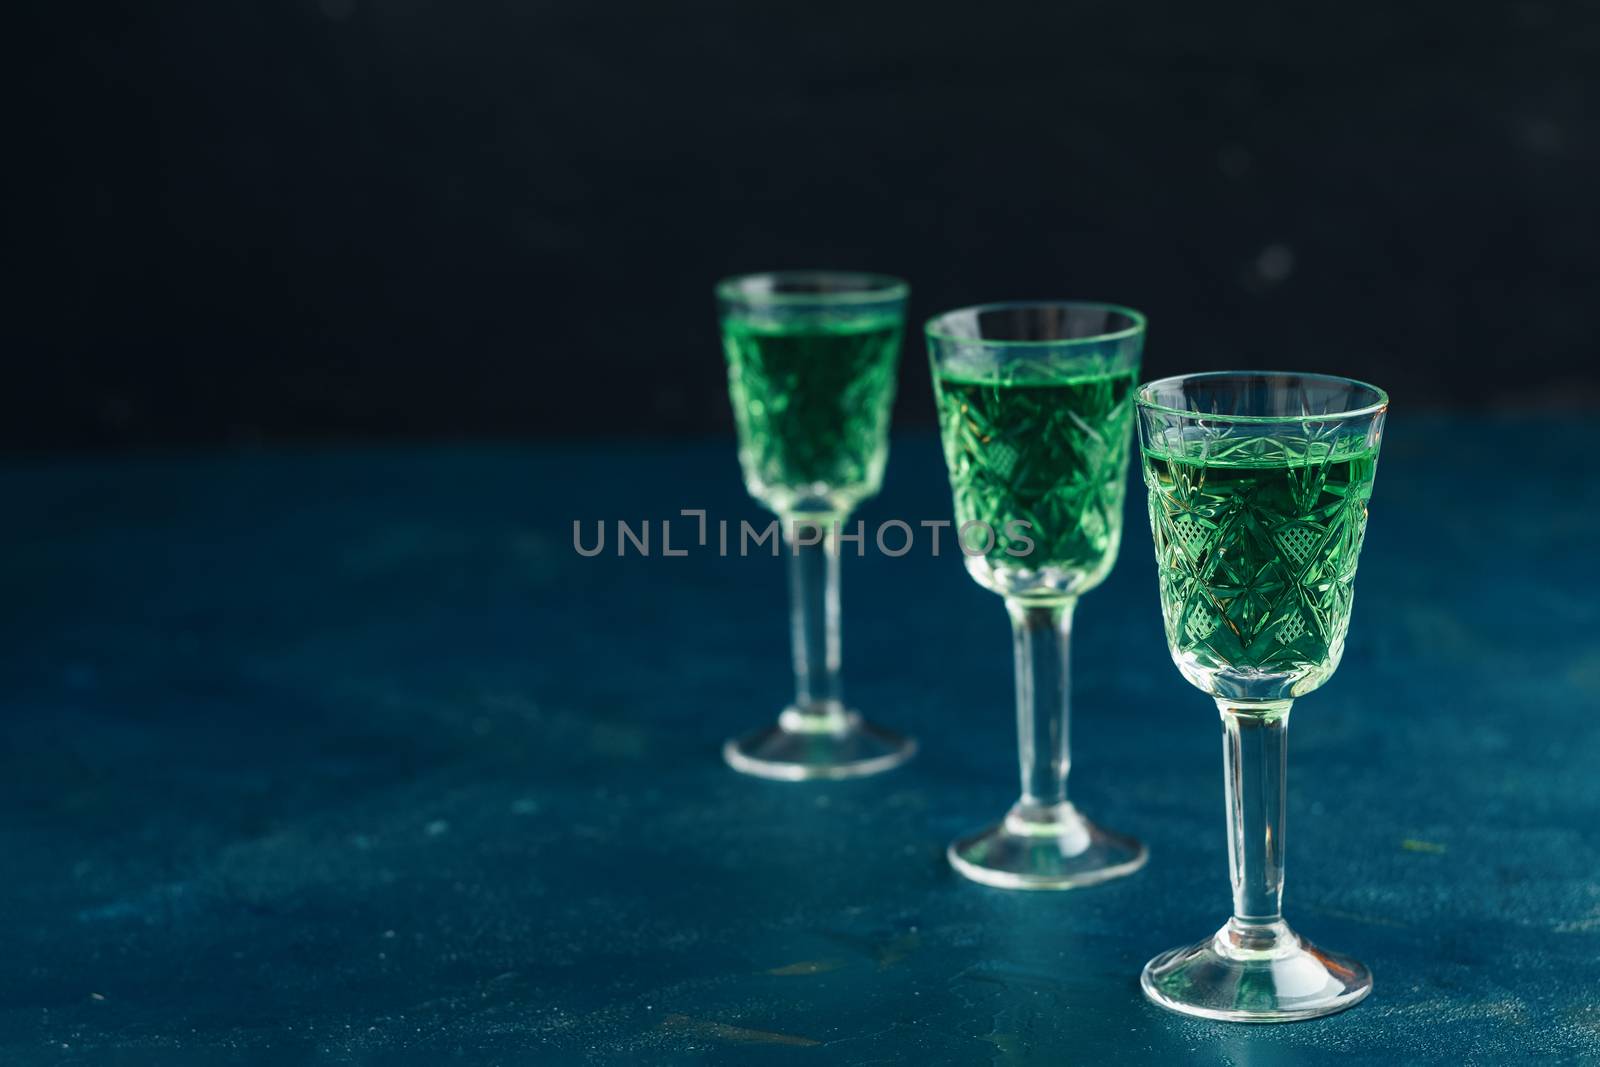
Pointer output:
x,y
1042,640
1255,748
814,624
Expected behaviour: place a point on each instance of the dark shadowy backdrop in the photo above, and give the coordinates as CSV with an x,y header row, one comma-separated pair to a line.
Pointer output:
x,y
293,219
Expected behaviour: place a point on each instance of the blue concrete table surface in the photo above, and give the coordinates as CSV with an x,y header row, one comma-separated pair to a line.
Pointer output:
x,y
346,756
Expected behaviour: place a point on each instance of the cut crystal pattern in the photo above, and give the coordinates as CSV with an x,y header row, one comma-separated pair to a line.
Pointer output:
x,y
1257,554
1053,455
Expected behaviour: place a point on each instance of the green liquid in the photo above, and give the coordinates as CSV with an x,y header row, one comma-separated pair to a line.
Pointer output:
x,y
811,399
1051,454
1256,549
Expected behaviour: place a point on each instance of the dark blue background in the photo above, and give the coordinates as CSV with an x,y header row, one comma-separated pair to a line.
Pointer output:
x,y
340,755
345,757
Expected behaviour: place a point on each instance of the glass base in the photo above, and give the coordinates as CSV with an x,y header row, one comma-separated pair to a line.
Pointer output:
x,y
1045,847
805,745
1255,974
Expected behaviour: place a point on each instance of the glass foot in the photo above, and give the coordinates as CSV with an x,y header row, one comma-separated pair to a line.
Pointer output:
x,y
1039,847
1255,974
802,746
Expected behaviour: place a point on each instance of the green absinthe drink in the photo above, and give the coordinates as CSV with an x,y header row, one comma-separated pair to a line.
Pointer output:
x,y
1257,484
1039,459
1035,403
811,393
811,374
1256,546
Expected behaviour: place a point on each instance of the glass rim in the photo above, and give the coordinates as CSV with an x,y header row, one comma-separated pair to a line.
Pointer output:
x,y
1142,398
929,328
875,288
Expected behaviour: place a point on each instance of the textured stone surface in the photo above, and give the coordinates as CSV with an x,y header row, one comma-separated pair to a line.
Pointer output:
x,y
347,757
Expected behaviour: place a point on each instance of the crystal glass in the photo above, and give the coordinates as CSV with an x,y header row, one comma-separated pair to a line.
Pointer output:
x,y
1035,404
812,358
1258,486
